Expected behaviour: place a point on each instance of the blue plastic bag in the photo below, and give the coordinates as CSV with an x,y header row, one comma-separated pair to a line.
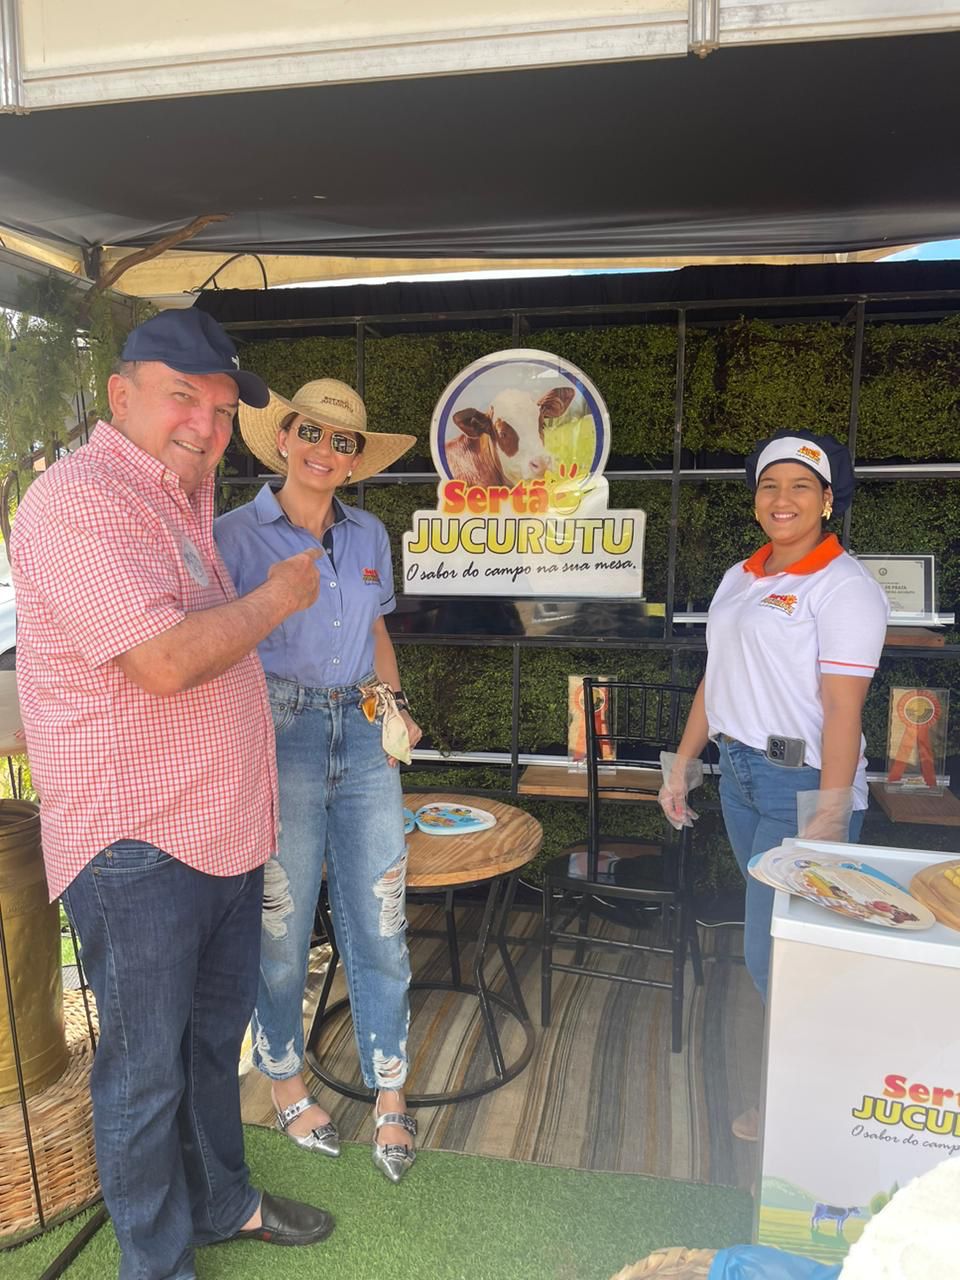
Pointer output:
x,y
757,1262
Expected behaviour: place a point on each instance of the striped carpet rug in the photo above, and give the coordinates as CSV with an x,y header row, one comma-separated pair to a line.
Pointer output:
x,y
603,1089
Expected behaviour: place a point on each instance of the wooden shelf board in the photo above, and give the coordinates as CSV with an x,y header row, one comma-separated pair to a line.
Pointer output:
x,y
571,783
915,637
913,806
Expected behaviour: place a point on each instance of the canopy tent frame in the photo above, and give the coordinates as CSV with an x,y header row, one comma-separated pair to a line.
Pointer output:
x,y
677,160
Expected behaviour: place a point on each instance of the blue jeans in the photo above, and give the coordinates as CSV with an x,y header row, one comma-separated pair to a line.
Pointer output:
x,y
759,802
171,955
340,803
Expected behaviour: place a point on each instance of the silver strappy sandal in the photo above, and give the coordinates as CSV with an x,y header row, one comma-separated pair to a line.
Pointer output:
x,y
394,1160
324,1138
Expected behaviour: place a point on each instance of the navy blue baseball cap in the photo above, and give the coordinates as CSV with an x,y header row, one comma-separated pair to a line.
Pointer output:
x,y
192,342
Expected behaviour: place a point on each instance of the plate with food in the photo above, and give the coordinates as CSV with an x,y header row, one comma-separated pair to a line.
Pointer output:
x,y
453,819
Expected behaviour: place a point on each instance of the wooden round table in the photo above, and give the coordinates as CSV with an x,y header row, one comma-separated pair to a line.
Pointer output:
x,y
443,864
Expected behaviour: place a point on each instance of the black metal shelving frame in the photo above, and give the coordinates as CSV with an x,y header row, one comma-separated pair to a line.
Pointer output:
x,y
678,638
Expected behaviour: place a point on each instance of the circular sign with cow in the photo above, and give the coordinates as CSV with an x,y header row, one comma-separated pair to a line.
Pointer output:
x,y
523,417
520,439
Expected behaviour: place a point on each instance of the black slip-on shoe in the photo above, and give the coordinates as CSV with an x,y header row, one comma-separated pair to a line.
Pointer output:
x,y
288,1222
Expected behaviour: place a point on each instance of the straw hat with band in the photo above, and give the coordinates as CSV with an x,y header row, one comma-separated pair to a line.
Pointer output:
x,y
328,403
828,459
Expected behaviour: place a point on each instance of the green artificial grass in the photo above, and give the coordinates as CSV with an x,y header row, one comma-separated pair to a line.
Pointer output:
x,y
454,1217
31,1260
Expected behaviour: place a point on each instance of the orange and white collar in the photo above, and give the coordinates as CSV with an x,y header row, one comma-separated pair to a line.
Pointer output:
x,y
821,555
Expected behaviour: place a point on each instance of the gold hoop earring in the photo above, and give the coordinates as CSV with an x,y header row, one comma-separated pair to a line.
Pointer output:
x,y
827,511
756,515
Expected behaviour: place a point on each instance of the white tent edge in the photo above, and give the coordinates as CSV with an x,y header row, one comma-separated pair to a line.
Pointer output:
x,y
174,278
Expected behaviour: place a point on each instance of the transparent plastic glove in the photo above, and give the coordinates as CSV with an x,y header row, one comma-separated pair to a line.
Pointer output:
x,y
825,815
680,776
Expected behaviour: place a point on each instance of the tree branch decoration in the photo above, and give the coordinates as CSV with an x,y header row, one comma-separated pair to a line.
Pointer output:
x,y
107,279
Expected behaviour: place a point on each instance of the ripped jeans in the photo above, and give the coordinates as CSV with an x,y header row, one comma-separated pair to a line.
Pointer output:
x,y
340,802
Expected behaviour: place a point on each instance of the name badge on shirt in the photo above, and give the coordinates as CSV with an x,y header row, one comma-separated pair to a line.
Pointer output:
x,y
371,578
194,562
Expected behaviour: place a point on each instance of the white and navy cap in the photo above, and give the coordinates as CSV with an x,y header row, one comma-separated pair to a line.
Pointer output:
x,y
795,449
826,457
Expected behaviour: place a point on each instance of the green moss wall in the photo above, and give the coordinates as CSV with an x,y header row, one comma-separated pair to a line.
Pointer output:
x,y
740,383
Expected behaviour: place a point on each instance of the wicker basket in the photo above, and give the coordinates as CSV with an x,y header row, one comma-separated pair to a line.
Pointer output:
x,y
670,1264
61,1127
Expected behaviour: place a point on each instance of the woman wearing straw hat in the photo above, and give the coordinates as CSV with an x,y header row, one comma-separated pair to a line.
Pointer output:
x,y
338,710
794,635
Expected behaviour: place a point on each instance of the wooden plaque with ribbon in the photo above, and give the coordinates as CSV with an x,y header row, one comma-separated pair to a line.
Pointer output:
x,y
916,744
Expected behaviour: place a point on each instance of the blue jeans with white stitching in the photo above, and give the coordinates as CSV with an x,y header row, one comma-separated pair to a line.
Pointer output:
x,y
340,804
759,802
171,956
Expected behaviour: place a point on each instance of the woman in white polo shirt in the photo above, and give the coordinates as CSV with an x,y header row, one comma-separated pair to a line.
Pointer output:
x,y
794,635
332,679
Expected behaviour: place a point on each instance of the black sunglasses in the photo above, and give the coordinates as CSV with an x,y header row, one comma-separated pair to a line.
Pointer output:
x,y
339,442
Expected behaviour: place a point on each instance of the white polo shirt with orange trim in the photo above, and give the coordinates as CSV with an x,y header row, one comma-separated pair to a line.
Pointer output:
x,y
770,637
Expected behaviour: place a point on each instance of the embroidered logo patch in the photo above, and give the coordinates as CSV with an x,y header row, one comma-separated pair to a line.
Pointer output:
x,y
786,604
193,562
808,451
371,578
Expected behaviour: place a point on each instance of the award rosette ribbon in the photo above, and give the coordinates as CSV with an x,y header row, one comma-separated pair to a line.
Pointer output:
x,y
916,713
576,719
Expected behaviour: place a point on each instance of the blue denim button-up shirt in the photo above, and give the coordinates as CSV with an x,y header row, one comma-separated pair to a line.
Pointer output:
x,y
331,643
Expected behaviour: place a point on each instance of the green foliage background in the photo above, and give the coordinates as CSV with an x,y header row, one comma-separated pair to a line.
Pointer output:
x,y
41,367
741,382
56,353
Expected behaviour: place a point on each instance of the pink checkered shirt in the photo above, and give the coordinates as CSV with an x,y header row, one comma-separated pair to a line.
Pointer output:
x,y
109,552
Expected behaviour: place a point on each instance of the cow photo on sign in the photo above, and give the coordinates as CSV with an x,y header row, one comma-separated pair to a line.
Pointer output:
x,y
507,444
520,439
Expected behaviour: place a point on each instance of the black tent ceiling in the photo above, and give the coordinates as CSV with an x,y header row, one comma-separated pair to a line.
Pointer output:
x,y
783,149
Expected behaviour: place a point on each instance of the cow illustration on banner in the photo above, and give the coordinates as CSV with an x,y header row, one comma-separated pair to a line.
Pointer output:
x,y
520,440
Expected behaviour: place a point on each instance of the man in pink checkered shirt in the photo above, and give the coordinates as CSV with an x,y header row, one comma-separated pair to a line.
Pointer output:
x,y
152,749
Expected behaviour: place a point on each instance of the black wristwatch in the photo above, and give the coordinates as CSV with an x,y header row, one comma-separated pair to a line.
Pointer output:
x,y
401,700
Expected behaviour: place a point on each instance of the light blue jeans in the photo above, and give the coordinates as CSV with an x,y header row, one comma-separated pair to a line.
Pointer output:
x,y
340,803
759,802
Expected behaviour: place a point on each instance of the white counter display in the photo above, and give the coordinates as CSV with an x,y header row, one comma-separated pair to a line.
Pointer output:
x,y
861,1065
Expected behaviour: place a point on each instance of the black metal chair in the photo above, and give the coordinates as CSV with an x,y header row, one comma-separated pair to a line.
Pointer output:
x,y
618,878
